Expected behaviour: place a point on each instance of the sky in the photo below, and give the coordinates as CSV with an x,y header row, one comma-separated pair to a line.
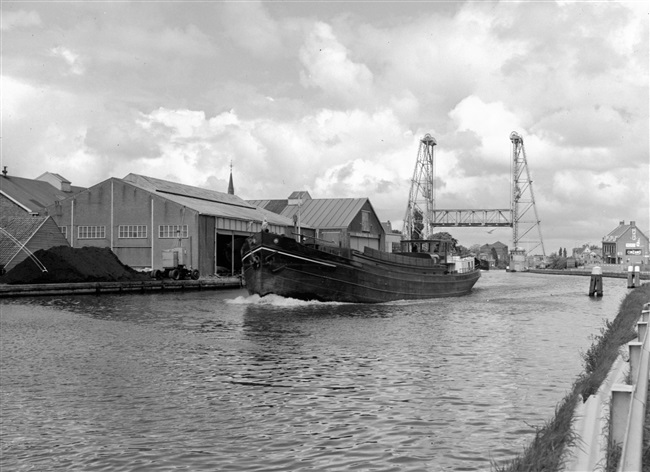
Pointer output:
x,y
334,97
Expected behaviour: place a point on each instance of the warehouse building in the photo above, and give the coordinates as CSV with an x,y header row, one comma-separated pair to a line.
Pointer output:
x,y
139,217
344,222
23,228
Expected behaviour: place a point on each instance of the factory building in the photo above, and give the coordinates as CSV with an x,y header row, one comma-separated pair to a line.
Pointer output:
x,y
23,228
627,245
139,217
344,222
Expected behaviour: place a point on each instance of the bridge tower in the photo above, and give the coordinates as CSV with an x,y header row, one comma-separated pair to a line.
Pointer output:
x,y
524,213
418,220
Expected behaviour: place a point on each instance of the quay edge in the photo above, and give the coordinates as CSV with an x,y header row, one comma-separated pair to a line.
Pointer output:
x,y
143,286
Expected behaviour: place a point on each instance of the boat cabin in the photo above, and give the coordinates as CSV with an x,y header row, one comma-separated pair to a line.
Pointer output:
x,y
438,247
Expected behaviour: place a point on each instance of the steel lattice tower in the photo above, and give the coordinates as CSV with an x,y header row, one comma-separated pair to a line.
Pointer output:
x,y
523,201
418,220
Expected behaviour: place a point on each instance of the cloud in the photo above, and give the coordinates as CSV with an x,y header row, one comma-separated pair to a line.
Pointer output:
x,y
250,26
72,59
328,67
326,98
19,19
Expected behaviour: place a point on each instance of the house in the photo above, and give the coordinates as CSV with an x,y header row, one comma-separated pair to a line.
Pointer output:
x,y
22,236
586,255
139,217
344,222
496,254
393,238
626,244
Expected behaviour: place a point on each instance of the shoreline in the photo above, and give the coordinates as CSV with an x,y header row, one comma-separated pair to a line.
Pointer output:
x,y
143,286
586,272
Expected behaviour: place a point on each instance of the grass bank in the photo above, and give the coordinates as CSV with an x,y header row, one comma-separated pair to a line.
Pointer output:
x,y
545,452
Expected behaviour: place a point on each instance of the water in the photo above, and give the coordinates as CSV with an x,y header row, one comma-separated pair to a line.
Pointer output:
x,y
218,380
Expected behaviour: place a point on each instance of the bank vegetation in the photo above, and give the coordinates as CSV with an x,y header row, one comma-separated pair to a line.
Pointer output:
x,y
546,450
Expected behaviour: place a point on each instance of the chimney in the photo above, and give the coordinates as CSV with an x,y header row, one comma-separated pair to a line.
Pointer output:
x,y
621,223
632,223
4,171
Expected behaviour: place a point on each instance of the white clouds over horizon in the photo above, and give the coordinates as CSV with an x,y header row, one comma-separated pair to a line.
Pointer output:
x,y
179,91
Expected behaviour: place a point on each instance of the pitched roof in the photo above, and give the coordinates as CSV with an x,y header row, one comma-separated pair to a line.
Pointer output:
x,y
318,212
16,231
302,194
31,194
206,202
58,177
619,231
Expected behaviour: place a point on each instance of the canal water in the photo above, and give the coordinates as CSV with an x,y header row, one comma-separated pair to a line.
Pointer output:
x,y
219,380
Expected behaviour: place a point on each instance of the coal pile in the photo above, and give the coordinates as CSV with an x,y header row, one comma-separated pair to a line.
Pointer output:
x,y
68,265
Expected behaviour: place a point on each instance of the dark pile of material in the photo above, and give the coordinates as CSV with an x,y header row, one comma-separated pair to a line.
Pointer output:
x,y
65,264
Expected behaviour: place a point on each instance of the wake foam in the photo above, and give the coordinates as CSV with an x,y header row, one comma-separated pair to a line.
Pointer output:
x,y
277,300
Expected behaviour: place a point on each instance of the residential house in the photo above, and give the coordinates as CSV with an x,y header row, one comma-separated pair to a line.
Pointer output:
x,y
627,245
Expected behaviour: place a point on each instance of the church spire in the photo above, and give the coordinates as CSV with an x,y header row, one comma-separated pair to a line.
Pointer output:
x,y
231,187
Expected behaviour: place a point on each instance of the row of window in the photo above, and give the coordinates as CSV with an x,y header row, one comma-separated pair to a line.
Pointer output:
x,y
129,231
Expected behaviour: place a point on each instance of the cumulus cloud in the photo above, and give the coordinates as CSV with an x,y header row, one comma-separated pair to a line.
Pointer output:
x,y
72,59
180,91
329,67
250,26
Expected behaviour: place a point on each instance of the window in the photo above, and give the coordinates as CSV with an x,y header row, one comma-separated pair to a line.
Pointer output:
x,y
91,232
132,231
365,221
64,231
172,231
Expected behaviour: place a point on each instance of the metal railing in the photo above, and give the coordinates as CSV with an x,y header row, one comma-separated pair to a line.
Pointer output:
x,y
616,413
629,401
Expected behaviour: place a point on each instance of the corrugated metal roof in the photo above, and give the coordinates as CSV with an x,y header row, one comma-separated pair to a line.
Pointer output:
x,y
21,228
318,212
173,188
206,202
32,194
276,206
327,212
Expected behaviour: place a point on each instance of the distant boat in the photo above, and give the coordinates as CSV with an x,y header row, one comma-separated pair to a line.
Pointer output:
x,y
276,264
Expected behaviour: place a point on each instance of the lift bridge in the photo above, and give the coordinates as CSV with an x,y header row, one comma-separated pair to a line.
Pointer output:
x,y
422,216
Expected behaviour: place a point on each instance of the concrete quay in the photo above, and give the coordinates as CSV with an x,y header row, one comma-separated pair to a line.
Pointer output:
x,y
587,272
143,286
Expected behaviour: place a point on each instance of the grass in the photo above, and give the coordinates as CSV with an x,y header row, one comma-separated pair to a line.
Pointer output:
x,y
546,450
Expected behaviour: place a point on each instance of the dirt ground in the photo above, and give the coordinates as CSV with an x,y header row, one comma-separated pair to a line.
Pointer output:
x,y
65,264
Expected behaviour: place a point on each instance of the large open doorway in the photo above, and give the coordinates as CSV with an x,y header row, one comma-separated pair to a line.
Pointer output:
x,y
228,253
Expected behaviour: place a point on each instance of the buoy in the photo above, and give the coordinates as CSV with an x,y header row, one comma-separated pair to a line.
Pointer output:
x,y
596,283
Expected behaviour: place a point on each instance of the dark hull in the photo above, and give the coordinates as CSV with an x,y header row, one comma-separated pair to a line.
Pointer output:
x,y
279,265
